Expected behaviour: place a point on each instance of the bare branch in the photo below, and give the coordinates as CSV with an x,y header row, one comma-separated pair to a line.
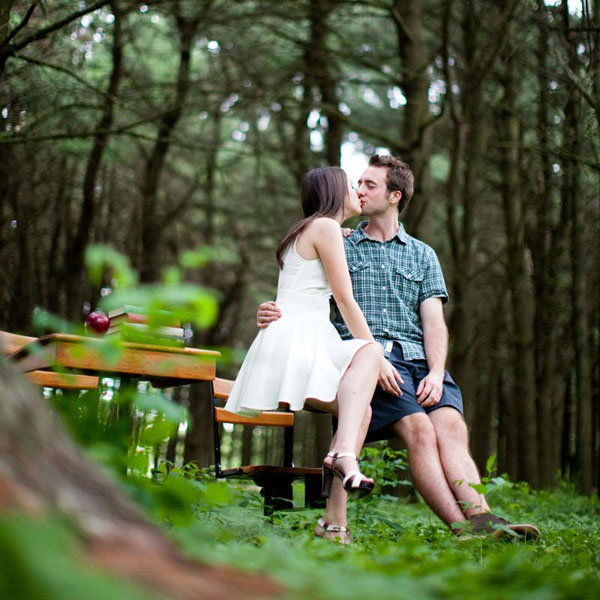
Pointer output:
x,y
46,31
20,26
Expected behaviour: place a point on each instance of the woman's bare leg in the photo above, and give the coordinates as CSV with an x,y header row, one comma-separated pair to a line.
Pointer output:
x,y
354,399
354,415
335,509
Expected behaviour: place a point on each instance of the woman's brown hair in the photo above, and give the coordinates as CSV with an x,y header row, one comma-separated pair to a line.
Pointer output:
x,y
323,192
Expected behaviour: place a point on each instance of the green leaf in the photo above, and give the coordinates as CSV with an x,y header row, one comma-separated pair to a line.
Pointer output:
x,y
98,257
489,465
156,401
156,432
480,488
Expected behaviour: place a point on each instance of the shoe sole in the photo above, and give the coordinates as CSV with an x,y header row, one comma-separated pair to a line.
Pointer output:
x,y
524,531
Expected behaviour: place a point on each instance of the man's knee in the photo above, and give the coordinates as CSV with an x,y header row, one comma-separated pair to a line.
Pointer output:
x,y
416,430
449,420
450,426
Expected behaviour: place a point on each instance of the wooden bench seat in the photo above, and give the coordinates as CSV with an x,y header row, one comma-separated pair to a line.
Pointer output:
x,y
275,480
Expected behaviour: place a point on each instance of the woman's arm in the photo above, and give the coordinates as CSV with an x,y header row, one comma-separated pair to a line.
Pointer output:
x,y
326,237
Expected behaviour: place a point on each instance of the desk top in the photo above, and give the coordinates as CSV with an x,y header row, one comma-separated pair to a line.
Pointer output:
x,y
163,365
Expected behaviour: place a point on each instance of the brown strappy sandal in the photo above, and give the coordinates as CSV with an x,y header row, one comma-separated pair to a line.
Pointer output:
x,y
325,528
354,481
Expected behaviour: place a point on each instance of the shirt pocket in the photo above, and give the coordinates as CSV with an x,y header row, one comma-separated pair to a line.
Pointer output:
x,y
360,276
408,283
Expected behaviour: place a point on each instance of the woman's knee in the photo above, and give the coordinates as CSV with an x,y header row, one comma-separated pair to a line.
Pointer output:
x,y
368,355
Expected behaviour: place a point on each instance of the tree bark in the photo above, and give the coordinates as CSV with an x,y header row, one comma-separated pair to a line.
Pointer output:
x,y
320,75
415,133
579,259
152,222
523,395
5,9
199,436
74,257
42,472
462,196
545,248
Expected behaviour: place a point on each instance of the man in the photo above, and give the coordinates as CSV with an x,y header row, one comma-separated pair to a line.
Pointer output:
x,y
398,283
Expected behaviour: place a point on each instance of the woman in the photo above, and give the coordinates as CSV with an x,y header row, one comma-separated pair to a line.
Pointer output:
x,y
301,358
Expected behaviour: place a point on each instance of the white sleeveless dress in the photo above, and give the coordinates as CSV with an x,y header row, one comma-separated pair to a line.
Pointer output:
x,y
299,356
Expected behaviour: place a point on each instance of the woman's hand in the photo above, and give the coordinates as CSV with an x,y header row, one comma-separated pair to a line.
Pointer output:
x,y
389,378
267,313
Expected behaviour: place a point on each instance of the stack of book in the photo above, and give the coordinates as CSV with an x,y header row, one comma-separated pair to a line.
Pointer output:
x,y
131,324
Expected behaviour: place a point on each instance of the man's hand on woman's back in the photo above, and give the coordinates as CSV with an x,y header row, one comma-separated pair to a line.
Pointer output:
x,y
267,313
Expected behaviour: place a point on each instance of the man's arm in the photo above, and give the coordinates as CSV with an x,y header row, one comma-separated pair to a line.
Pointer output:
x,y
435,340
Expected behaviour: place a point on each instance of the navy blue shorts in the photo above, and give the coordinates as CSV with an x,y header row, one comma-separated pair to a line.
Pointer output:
x,y
387,408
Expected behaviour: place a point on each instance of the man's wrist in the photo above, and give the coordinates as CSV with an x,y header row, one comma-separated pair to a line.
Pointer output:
x,y
437,371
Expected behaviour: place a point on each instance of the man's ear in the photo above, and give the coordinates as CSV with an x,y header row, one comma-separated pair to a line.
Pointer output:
x,y
395,197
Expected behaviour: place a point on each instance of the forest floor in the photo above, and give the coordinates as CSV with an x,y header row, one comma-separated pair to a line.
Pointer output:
x,y
401,551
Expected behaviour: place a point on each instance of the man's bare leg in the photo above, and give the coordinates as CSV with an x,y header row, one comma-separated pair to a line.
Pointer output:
x,y
421,441
457,462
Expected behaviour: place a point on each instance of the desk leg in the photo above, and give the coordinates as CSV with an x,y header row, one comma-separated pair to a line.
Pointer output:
x,y
277,492
122,426
312,492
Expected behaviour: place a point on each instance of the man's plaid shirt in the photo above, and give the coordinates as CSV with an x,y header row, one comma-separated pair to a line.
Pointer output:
x,y
389,281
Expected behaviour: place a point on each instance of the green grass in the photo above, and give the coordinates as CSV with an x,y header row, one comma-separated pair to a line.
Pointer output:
x,y
403,551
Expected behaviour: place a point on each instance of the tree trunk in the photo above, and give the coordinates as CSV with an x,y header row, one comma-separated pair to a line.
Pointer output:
x,y
5,8
152,221
320,75
579,259
199,436
547,292
462,195
523,394
42,471
74,255
415,133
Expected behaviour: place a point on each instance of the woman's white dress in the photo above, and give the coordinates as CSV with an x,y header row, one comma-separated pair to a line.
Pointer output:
x,y
299,356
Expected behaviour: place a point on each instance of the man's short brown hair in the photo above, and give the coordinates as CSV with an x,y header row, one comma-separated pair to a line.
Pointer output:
x,y
399,177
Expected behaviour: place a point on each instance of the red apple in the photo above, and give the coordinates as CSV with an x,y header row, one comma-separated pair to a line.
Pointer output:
x,y
97,321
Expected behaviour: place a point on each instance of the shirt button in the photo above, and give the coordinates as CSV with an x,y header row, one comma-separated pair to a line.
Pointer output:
x,y
383,288
384,310
383,266
408,276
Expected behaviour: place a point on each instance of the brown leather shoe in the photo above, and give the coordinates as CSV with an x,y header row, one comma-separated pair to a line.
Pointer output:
x,y
494,526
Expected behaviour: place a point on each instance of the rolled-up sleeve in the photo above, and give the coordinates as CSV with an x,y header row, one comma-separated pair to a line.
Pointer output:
x,y
433,284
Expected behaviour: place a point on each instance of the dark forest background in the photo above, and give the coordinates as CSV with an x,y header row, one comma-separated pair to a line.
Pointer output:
x,y
165,126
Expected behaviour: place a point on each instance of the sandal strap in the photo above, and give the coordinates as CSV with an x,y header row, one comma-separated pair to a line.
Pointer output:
x,y
345,455
337,528
352,475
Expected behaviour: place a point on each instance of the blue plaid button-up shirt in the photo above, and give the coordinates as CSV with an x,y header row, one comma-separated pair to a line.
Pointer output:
x,y
389,281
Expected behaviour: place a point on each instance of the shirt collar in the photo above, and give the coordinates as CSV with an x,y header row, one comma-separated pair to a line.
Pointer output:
x,y
361,235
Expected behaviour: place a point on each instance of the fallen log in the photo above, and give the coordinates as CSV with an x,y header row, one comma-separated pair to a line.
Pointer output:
x,y
43,472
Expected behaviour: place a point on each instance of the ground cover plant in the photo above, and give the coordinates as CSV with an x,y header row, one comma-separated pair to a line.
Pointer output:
x,y
401,550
